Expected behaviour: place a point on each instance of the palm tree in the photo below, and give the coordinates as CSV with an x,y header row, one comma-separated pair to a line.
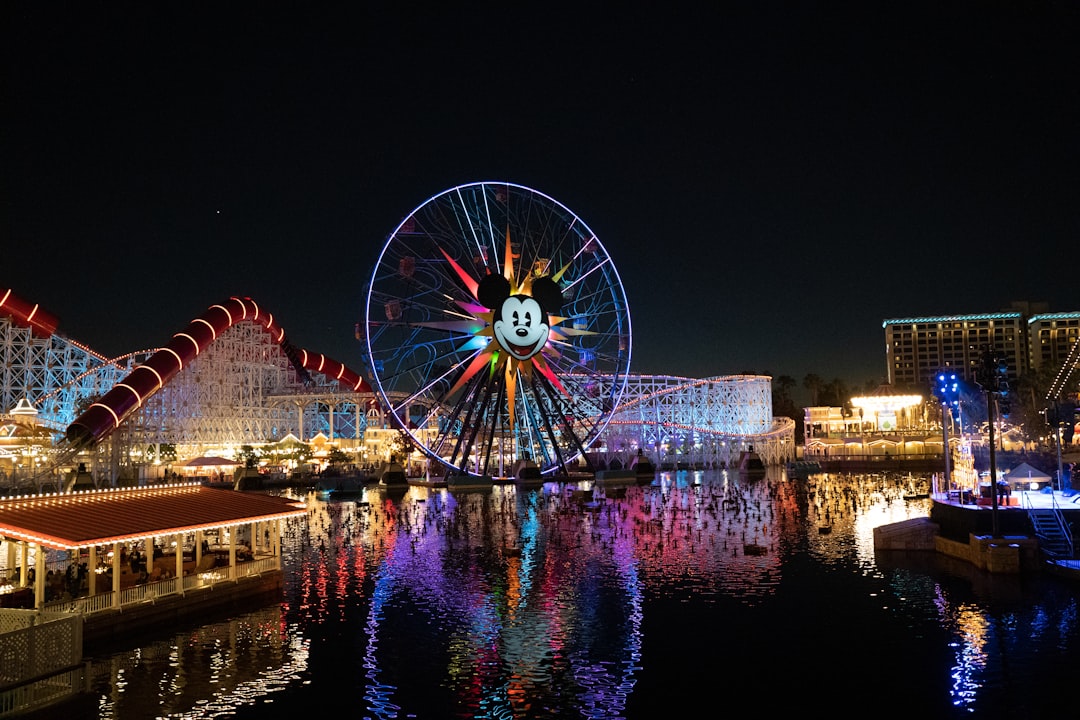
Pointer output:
x,y
248,455
783,404
835,393
784,385
813,383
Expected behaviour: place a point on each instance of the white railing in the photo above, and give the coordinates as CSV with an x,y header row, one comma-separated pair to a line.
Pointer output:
x,y
151,591
44,650
20,699
258,567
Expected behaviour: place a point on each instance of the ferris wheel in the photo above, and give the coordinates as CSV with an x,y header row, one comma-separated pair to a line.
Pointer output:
x,y
497,330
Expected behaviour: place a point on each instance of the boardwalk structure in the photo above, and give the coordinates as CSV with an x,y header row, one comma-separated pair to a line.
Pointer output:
x,y
84,551
92,567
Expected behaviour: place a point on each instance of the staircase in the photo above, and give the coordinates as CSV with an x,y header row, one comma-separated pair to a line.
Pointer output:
x,y
1055,538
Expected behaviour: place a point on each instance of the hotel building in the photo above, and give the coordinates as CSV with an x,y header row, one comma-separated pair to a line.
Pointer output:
x,y
917,348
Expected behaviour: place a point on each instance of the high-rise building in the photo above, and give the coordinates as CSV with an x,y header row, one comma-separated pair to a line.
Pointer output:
x,y
1050,338
1027,335
917,348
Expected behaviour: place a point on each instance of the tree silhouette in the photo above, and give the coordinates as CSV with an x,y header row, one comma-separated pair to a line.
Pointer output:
x,y
813,383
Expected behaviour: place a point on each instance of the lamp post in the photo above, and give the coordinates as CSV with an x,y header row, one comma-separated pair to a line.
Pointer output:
x,y
1061,472
948,391
993,465
945,445
994,380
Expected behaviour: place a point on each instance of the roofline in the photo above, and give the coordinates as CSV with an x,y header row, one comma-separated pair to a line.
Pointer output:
x,y
953,318
10,527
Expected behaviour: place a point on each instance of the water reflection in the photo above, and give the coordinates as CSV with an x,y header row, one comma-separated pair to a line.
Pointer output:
x,y
558,600
208,671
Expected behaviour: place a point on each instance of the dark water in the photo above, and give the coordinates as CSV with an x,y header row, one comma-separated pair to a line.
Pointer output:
x,y
701,595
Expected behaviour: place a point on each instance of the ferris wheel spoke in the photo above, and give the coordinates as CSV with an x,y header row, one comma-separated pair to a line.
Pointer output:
x,y
476,406
441,355
554,424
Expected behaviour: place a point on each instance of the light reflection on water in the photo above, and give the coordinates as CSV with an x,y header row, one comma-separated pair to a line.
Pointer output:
x,y
602,602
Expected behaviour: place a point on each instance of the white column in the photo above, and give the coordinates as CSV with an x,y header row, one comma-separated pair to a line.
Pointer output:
x,y
24,562
92,571
275,540
116,574
180,561
39,577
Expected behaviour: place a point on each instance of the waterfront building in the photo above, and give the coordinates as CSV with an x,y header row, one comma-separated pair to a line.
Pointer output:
x,y
126,537
1051,337
1028,337
88,567
917,348
882,425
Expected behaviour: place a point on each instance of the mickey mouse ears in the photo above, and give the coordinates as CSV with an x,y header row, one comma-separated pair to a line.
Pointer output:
x,y
493,289
546,292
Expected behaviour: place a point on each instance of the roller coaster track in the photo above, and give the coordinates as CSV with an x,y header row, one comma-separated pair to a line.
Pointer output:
x,y
723,413
128,395
118,362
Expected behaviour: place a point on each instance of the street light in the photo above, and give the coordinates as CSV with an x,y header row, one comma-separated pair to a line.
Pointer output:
x,y
993,377
1060,472
947,391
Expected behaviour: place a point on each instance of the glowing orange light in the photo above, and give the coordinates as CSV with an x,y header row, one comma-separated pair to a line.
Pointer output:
x,y
226,311
213,332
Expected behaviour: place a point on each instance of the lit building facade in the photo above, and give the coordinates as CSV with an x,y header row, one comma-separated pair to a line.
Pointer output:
x,y
1051,337
917,348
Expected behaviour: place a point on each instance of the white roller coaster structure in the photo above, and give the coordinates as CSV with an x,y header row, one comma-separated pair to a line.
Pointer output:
x,y
700,423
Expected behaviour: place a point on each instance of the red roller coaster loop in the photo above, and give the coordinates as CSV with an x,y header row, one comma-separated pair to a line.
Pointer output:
x,y
23,314
128,395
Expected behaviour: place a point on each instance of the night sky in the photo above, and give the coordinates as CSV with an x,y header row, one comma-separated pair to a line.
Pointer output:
x,y
773,180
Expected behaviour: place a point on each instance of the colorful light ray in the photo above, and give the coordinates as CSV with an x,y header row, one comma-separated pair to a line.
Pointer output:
x,y
481,327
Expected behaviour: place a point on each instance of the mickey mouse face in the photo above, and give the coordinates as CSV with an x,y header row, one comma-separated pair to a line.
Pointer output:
x,y
521,328
521,322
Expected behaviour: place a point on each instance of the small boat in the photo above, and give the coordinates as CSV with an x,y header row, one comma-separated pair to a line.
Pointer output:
x,y
393,475
750,463
347,488
525,470
824,529
803,469
340,487
643,467
457,480
754,549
